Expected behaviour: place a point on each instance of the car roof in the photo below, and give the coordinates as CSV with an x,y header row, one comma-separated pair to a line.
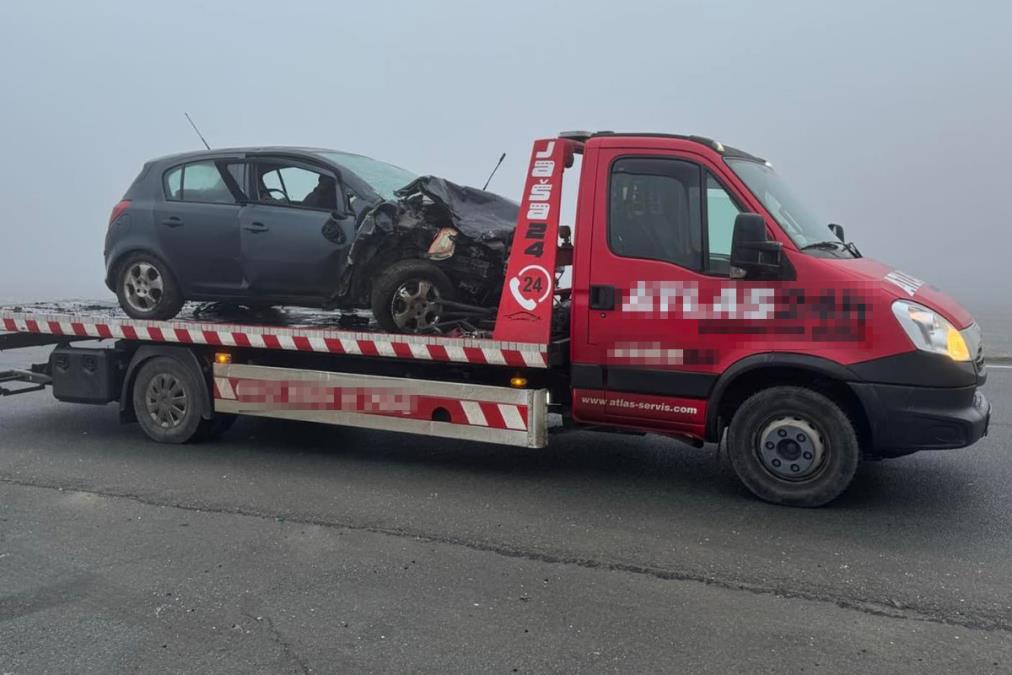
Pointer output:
x,y
228,152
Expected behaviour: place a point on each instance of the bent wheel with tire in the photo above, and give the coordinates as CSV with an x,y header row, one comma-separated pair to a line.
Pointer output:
x,y
146,288
168,401
407,297
793,446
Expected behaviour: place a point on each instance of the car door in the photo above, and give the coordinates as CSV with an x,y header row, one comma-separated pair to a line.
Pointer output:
x,y
660,298
295,236
197,226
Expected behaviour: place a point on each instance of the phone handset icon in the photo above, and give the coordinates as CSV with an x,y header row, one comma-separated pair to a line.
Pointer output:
x,y
527,303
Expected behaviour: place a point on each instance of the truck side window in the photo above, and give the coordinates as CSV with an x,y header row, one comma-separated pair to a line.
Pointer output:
x,y
653,210
720,214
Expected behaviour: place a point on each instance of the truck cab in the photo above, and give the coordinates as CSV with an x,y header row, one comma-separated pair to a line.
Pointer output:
x,y
709,301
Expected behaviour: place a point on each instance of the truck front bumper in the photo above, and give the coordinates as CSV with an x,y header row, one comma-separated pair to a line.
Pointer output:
x,y
906,418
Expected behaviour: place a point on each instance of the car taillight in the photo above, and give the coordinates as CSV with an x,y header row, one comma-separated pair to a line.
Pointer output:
x,y
118,210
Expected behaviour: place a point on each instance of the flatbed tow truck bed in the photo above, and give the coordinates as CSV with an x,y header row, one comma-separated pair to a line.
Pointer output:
x,y
293,330
339,387
310,366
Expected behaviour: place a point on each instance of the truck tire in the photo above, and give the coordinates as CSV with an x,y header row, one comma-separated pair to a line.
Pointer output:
x,y
146,288
793,446
407,296
168,402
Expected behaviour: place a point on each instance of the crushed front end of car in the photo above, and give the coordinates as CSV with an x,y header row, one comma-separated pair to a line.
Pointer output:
x,y
462,231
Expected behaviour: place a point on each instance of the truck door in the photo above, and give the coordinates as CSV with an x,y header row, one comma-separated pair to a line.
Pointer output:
x,y
659,289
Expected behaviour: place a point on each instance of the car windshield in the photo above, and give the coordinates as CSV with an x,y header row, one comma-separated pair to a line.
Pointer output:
x,y
384,178
801,224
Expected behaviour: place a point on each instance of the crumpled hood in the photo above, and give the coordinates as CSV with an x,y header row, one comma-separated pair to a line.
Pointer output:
x,y
904,286
479,214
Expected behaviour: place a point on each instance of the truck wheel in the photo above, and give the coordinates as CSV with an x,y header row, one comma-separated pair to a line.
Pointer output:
x,y
146,288
793,446
167,401
407,297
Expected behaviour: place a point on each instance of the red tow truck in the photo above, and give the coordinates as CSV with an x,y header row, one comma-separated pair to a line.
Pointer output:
x,y
707,303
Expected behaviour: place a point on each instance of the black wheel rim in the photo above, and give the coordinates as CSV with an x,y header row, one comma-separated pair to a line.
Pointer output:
x,y
166,401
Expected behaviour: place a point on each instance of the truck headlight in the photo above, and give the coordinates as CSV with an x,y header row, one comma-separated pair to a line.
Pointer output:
x,y
929,331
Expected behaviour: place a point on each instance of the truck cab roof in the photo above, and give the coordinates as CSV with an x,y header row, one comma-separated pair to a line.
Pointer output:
x,y
725,150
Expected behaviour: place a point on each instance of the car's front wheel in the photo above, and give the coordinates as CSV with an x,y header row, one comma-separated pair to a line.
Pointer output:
x,y
146,288
408,297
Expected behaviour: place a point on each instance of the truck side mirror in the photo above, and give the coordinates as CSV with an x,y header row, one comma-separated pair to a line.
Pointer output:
x,y
753,254
837,231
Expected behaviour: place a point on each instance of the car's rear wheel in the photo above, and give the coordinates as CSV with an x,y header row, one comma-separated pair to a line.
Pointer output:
x,y
146,288
408,297
793,446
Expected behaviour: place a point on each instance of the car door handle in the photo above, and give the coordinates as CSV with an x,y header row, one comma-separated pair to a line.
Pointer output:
x,y
173,221
602,297
255,227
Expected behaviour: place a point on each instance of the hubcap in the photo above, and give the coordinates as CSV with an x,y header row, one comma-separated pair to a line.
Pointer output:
x,y
143,287
165,400
790,448
415,305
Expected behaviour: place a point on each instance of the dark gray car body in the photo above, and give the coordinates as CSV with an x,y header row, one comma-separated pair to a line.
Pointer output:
x,y
270,253
259,253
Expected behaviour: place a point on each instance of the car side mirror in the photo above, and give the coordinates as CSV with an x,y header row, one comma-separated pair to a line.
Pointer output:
x,y
837,231
753,254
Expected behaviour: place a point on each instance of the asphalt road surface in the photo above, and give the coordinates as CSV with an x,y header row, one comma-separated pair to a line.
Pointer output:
x,y
294,548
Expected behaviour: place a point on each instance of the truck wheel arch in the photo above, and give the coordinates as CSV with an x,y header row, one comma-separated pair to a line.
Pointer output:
x,y
145,353
760,371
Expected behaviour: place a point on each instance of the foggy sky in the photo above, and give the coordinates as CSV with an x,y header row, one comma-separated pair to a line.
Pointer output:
x,y
894,119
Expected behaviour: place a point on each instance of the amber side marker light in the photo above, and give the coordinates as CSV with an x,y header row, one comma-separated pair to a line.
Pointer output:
x,y
222,358
518,382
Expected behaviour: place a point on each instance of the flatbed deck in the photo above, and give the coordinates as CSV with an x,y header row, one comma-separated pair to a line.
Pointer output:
x,y
292,329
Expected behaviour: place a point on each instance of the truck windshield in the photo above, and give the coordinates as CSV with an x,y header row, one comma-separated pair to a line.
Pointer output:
x,y
384,178
804,226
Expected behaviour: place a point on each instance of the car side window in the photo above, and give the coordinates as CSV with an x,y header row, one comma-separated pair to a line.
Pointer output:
x,y
174,183
198,182
287,185
654,210
721,212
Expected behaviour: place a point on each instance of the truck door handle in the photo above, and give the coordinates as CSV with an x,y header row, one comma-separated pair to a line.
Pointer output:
x,y
602,297
256,227
173,221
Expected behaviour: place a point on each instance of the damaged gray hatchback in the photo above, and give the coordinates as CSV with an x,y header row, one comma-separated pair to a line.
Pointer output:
x,y
309,227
